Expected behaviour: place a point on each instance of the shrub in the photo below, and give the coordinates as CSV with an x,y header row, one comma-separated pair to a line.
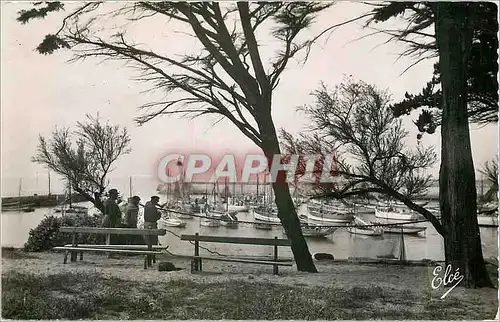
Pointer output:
x,y
46,235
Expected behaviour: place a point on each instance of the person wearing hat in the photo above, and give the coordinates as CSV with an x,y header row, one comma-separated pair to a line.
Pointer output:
x,y
151,217
112,213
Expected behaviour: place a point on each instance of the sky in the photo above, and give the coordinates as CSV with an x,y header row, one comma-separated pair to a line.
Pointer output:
x,y
42,92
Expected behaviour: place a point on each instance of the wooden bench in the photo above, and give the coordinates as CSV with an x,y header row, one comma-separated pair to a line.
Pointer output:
x,y
147,250
196,264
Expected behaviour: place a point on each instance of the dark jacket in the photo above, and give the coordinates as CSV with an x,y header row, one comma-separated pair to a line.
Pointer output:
x,y
131,213
112,211
151,213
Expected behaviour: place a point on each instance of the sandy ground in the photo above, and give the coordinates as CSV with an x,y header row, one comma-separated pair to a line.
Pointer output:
x,y
339,275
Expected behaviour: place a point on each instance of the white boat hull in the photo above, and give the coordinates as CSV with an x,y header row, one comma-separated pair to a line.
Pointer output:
x,y
390,215
405,229
236,208
312,231
208,222
332,219
365,231
171,222
318,231
487,221
260,217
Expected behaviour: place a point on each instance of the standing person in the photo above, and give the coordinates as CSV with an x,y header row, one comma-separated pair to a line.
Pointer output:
x,y
151,217
132,211
112,213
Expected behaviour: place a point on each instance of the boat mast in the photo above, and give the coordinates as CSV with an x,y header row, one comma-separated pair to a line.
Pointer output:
x,y
130,187
169,186
226,188
49,182
257,188
69,188
482,186
20,184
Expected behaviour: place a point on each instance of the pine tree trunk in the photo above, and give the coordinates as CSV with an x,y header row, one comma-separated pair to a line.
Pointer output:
x,y
457,182
286,209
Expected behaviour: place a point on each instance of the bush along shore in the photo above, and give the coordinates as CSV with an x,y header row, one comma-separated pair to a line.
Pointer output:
x,y
39,286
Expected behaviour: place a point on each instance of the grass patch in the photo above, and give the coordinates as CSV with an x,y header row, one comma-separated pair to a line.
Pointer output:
x,y
15,253
90,296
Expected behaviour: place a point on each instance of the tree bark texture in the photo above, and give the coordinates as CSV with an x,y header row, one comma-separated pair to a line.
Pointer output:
x,y
286,209
457,182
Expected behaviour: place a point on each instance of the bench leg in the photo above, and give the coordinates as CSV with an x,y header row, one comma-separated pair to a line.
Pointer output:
x,y
199,264
275,267
150,248
74,254
145,261
108,242
81,256
66,257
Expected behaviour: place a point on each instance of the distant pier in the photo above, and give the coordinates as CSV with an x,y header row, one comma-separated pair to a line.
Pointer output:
x,y
38,201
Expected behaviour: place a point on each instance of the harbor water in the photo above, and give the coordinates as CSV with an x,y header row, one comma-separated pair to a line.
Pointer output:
x,y
342,244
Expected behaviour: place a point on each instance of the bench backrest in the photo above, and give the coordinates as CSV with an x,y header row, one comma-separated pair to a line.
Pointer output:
x,y
113,231
238,240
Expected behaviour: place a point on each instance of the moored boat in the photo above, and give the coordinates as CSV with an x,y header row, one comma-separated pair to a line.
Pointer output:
x,y
487,221
209,222
398,229
393,213
229,220
266,215
170,221
311,230
357,228
329,218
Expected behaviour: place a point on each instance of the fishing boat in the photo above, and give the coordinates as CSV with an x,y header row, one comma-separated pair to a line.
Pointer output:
x,y
357,228
312,230
229,220
266,214
177,197
487,214
233,204
395,213
237,207
330,215
209,222
181,209
173,222
398,229
263,210
212,212
484,220
169,220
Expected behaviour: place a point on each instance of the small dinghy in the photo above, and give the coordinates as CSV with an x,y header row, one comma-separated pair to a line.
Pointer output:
x,y
169,220
358,229
229,220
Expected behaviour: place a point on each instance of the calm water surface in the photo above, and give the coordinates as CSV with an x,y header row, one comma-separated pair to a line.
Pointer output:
x,y
342,244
